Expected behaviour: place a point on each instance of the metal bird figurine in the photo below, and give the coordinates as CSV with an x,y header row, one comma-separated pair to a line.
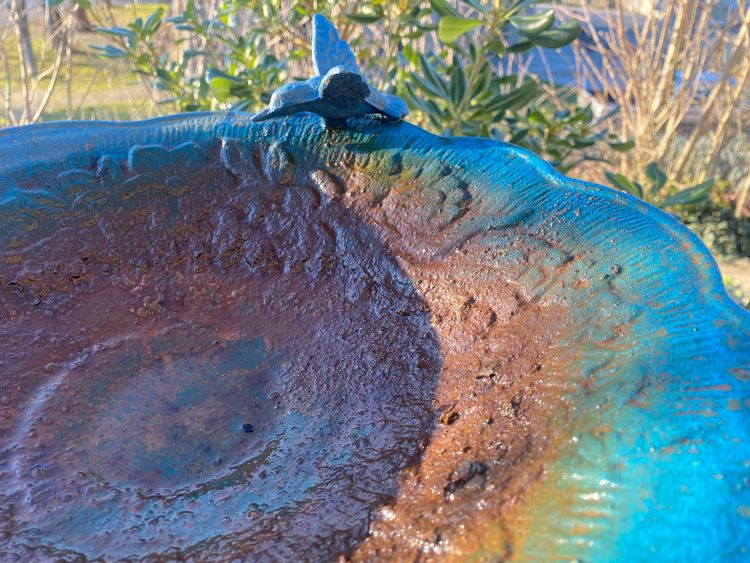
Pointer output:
x,y
339,91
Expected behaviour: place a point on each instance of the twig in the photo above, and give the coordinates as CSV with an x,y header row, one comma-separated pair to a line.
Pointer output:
x,y
51,86
21,64
86,93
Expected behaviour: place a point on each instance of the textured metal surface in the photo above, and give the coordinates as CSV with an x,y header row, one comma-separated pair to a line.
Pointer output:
x,y
223,338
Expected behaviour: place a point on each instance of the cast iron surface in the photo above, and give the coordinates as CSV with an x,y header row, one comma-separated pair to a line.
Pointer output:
x,y
272,340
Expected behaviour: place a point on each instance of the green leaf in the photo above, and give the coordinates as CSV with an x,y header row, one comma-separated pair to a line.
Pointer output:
x,y
690,196
478,5
622,183
433,77
537,118
458,84
517,6
518,136
426,86
555,37
414,99
119,31
451,28
443,8
365,18
622,146
53,3
222,84
535,23
583,115
582,143
521,46
496,46
222,88
515,99
410,54
154,20
111,52
657,176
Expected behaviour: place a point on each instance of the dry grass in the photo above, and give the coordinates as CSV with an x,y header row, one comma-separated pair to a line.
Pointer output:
x,y
640,73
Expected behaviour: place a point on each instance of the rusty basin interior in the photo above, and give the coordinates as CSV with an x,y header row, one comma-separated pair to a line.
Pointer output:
x,y
223,339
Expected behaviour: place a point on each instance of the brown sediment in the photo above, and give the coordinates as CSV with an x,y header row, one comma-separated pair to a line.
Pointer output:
x,y
501,412
427,392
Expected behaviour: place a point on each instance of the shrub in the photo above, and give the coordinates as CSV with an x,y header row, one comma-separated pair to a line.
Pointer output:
x,y
445,61
457,65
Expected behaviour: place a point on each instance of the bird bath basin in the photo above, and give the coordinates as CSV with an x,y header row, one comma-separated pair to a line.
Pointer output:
x,y
223,338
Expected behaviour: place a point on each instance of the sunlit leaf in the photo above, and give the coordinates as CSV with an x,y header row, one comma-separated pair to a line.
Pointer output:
x,y
537,118
120,31
518,136
111,52
410,54
622,146
622,183
432,76
451,28
521,46
556,36
657,176
690,196
365,18
535,23
154,20
458,84
221,84
443,8
515,99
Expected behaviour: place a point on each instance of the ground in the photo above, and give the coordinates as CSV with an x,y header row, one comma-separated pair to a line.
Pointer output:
x,y
737,272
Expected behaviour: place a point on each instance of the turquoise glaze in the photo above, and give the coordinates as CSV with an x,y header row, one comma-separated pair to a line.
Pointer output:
x,y
655,464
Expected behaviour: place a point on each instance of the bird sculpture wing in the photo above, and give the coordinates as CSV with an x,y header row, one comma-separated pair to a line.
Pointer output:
x,y
329,50
290,98
389,105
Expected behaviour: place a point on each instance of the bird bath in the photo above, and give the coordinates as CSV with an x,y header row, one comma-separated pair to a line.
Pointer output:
x,y
228,339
